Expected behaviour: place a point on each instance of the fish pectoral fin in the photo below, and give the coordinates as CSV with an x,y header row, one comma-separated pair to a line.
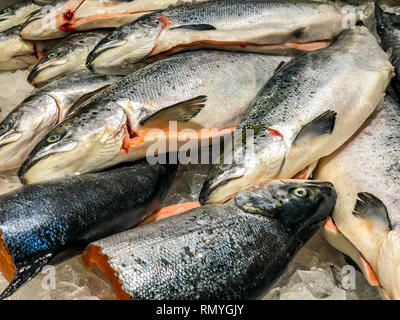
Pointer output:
x,y
336,239
84,98
180,112
25,274
321,125
371,208
196,27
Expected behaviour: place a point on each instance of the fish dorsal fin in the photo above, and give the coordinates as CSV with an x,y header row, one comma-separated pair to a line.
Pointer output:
x,y
181,112
196,27
323,124
369,207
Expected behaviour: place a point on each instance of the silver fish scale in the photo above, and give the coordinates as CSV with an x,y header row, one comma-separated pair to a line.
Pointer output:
x,y
181,77
228,10
209,252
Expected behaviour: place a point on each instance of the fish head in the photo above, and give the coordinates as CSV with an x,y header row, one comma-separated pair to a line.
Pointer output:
x,y
255,156
45,23
297,205
24,127
127,45
54,64
87,141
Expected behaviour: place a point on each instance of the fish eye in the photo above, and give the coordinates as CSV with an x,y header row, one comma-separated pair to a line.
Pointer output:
x,y
53,138
6,126
52,55
112,36
301,192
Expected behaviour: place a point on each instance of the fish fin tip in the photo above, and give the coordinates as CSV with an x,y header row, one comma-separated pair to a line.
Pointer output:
x,y
181,112
369,206
321,125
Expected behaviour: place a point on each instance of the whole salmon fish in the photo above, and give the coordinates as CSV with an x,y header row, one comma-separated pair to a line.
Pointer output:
x,y
65,16
264,26
181,99
227,251
34,117
48,223
308,109
366,173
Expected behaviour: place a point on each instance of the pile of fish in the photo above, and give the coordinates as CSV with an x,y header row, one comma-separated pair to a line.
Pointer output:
x,y
295,103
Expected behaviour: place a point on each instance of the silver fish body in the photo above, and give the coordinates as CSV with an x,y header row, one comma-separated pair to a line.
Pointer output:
x,y
366,173
33,118
304,113
17,14
226,251
96,136
65,16
284,27
67,56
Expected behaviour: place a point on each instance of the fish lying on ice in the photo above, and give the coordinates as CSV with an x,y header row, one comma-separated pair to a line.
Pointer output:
x,y
201,91
17,14
270,26
365,221
48,223
67,56
16,53
66,16
388,28
308,109
34,117
226,251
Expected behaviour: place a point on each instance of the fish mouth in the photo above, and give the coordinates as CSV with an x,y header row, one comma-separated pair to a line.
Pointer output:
x,y
209,187
36,73
10,138
100,49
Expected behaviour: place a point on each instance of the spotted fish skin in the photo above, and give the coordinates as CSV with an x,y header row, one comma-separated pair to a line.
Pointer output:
x,y
388,28
218,251
302,114
51,222
370,164
263,26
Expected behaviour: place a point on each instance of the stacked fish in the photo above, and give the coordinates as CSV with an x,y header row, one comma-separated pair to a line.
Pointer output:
x,y
290,79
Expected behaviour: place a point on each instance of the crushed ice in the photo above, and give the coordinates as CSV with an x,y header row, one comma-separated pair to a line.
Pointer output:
x,y
315,273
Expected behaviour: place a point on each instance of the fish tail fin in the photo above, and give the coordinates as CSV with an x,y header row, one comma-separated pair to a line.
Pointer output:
x,y
25,274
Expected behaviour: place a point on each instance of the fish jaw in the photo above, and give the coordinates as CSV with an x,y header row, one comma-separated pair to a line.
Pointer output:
x,y
17,14
28,123
256,161
126,46
73,148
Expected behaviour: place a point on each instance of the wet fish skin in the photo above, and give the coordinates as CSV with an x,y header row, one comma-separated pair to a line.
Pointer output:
x,y
51,222
16,14
219,251
34,117
69,55
16,53
369,163
251,25
389,31
302,114
66,16
94,137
